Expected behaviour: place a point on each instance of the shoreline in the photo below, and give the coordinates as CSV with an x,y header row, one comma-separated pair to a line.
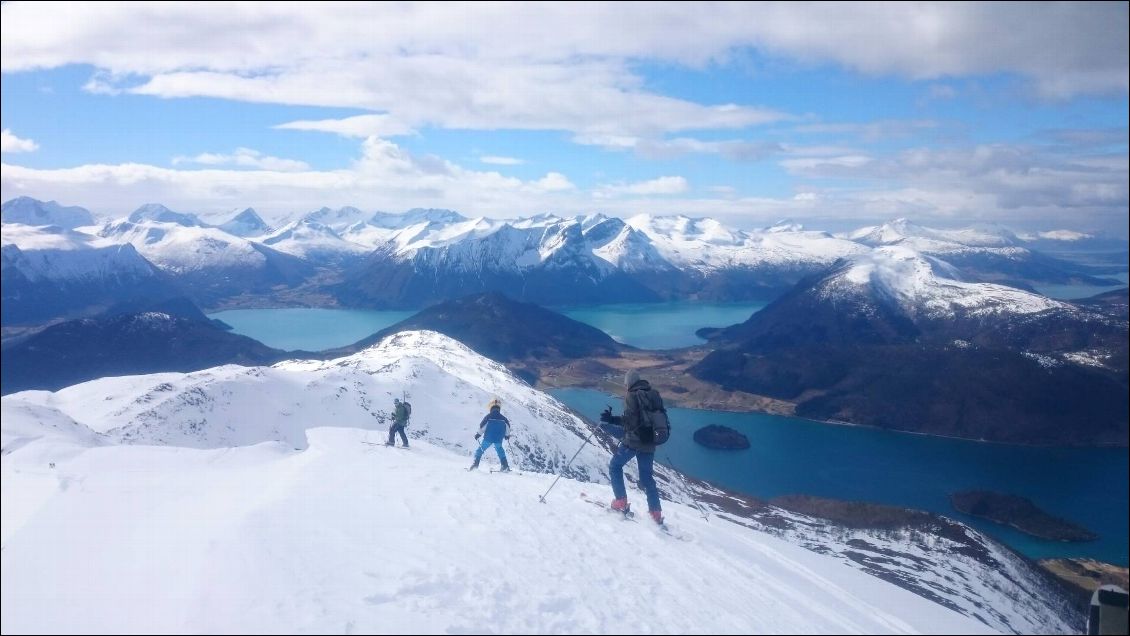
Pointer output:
x,y
675,403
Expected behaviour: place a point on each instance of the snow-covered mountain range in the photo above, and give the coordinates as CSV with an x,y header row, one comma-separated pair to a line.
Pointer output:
x,y
411,260
262,509
986,252
50,271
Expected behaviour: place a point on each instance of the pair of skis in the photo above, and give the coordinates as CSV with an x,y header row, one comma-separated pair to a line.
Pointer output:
x,y
628,515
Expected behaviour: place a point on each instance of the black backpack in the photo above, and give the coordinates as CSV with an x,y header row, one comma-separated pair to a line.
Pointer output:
x,y
401,415
655,427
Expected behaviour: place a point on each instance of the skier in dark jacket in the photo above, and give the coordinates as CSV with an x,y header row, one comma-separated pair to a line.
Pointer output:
x,y
493,429
401,411
639,396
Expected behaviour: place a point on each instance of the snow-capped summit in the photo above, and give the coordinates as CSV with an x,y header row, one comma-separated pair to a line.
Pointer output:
x,y
161,214
707,245
930,288
785,225
903,231
210,263
416,216
314,242
29,211
246,223
339,219
624,247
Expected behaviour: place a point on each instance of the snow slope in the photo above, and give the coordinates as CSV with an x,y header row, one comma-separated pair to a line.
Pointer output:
x,y
54,253
926,287
181,248
345,537
905,232
707,245
193,503
312,241
242,499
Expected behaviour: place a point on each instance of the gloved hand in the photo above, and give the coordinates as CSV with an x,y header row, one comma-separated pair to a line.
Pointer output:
x,y
477,436
606,415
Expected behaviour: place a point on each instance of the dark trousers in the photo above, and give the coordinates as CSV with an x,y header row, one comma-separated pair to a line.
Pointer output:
x,y
393,430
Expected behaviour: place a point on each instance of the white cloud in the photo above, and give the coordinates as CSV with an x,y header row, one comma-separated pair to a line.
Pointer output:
x,y
657,186
872,131
384,176
12,143
552,65
501,161
361,126
554,181
245,158
826,166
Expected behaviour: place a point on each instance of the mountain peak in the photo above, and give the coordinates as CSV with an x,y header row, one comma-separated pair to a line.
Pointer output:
x,y
246,223
29,211
161,214
924,286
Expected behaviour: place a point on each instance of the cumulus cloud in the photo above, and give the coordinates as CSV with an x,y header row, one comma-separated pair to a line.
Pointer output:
x,y
244,158
12,143
501,161
384,176
371,55
380,125
554,181
659,185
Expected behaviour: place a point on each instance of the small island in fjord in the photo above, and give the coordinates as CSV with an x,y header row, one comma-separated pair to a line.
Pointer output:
x,y
721,438
1020,513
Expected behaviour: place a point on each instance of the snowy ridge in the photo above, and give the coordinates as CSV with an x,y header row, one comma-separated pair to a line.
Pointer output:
x,y
928,288
51,253
29,211
261,510
707,245
158,213
180,248
905,231
312,241
956,574
246,223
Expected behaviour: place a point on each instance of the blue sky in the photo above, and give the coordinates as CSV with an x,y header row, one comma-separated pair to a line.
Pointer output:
x,y
834,115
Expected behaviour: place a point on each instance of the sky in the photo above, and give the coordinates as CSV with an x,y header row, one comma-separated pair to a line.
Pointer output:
x,y
833,115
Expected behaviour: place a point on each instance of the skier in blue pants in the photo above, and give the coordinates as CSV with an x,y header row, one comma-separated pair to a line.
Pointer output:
x,y
493,429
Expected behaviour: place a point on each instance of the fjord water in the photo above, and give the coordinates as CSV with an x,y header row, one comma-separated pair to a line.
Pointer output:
x,y
647,326
308,329
793,455
661,325
789,455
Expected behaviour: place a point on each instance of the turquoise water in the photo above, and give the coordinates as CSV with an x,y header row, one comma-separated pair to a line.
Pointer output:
x,y
661,325
648,326
309,329
792,455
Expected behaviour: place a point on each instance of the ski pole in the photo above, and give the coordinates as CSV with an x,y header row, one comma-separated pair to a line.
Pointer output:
x,y
570,462
686,488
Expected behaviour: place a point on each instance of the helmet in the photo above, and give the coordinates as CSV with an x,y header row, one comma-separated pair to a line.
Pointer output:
x,y
396,400
494,403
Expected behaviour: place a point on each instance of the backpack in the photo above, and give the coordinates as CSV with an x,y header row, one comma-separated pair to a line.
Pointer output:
x,y
655,427
403,412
